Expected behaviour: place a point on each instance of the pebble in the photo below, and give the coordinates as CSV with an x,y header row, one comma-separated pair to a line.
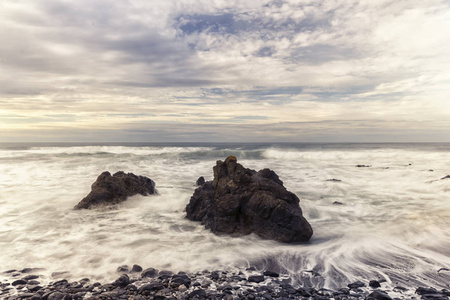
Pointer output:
x,y
165,285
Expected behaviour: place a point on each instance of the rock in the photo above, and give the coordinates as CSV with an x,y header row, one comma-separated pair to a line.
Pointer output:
x,y
445,177
271,274
122,281
123,269
136,269
241,201
107,189
17,282
200,181
155,286
178,280
150,272
256,278
338,203
378,295
363,166
334,180
356,285
374,284
197,293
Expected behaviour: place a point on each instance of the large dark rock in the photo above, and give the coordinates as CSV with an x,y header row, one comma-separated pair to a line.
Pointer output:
x,y
107,189
241,201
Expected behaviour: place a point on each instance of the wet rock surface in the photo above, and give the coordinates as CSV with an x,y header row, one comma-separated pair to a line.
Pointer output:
x,y
240,201
109,190
255,284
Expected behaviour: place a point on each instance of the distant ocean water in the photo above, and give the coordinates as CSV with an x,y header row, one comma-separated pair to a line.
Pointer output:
x,y
388,221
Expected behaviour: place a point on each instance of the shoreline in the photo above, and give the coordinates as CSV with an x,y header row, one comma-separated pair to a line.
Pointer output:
x,y
138,284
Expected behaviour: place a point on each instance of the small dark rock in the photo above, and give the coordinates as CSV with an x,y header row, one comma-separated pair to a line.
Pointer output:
x,y
378,295
155,286
136,269
178,280
34,288
334,180
214,275
256,278
374,284
20,281
122,281
271,273
426,291
150,272
356,285
30,277
338,203
200,181
123,269
26,270
445,177
10,271
197,293
56,296
363,166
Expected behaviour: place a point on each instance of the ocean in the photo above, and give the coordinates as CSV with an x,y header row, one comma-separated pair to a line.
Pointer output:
x,y
388,220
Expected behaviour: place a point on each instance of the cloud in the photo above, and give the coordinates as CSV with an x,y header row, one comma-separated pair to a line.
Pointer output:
x,y
224,64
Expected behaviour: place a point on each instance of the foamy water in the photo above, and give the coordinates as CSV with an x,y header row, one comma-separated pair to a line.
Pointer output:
x,y
392,221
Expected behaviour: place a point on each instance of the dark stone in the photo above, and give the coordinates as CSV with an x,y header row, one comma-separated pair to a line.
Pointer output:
x,y
26,270
445,177
378,295
10,271
426,291
214,275
122,281
374,284
338,203
154,286
107,189
34,288
56,296
356,285
123,269
197,293
30,277
136,269
150,272
200,181
363,166
20,281
256,278
334,180
271,274
241,201
178,280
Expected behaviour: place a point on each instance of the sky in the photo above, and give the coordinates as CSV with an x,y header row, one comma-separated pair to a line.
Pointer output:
x,y
224,71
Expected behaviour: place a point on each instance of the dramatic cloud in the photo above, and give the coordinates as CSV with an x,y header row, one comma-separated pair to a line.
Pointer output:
x,y
195,70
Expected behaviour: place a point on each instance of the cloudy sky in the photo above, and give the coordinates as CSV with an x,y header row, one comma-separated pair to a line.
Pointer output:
x,y
225,70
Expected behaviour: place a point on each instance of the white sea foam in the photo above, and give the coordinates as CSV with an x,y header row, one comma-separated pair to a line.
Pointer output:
x,y
392,221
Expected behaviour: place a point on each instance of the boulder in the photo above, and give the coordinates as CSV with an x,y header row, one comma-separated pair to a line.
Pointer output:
x,y
107,189
240,201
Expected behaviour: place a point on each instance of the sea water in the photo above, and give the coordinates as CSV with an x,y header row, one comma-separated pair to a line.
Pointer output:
x,y
388,220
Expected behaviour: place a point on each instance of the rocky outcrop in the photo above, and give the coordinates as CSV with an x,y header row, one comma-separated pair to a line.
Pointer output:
x,y
107,189
241,201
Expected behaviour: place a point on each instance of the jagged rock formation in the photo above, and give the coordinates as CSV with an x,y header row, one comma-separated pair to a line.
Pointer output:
x,y
241,201
107,189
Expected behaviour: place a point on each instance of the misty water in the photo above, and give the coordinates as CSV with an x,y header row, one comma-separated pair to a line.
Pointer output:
x,y
387,221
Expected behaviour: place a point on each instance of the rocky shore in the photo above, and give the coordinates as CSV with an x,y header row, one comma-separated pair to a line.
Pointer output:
x,y
138,284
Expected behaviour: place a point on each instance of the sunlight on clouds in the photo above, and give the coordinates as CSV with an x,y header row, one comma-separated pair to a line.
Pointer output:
x,y
272,70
